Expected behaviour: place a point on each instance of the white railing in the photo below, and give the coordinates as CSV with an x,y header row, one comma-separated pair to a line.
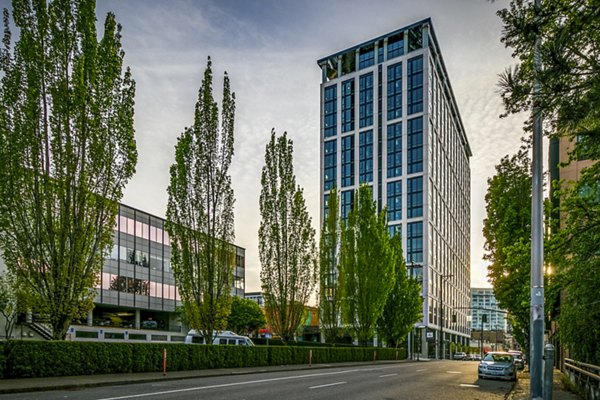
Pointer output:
x,y
585,376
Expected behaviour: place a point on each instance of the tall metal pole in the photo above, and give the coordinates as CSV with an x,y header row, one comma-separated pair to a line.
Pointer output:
x,y
537,242
441,309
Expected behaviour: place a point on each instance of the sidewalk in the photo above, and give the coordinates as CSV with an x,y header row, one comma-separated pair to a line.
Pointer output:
x,y
522,387
72,382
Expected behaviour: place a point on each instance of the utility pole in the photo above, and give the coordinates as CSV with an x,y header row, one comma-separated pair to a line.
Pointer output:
x,y
537,243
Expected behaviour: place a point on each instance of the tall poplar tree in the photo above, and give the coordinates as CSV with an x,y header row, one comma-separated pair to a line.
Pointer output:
x,y
403,306
367,265
67,149
286,241
329,285
200,211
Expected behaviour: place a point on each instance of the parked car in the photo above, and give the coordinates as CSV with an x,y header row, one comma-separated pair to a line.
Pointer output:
x,y
498,364
459,355
220,337
519,360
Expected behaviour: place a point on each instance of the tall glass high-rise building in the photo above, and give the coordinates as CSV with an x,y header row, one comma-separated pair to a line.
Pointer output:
x,y
389,119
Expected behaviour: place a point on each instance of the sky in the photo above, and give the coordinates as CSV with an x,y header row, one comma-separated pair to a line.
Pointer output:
x,y
269,49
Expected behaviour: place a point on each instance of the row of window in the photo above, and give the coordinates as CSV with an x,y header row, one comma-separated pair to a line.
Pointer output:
x,y
394,98
142,230
138,286
394,154
139,257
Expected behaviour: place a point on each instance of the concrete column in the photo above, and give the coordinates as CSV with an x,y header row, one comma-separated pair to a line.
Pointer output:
x,y
90,318
137,319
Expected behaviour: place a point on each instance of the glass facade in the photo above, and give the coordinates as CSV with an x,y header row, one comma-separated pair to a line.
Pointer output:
x,y
329,175
365,166
394,200
415,85
413,151
366,100
348,161
414,145
348,105
394,150
330,111
394,91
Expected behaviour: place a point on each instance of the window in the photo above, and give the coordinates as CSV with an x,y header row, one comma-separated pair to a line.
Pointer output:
x,y
325,206
330,160
394,200
348,161
394,150
366,57
394,91
414,199
330,111
415,145
365,162
395,230
414,243
415,85
347,199
348,106
395,47
365,107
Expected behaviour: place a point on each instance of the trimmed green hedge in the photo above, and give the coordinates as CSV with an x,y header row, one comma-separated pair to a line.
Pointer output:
x,y
28,359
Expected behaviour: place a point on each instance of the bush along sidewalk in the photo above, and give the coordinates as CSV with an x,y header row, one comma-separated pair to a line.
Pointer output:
x,y
29,359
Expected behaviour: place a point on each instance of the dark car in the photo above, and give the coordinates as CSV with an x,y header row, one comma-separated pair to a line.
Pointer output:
x,y
498,364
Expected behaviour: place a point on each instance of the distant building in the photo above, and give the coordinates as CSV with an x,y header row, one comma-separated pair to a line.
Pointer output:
x,y
389,119
257,297
485,313
137,289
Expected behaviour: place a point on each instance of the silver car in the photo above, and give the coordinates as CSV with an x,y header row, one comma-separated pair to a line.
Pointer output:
x,y
498,364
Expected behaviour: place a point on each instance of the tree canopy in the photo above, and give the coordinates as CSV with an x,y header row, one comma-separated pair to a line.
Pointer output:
x,y
200,210
330,296
286,241
246,316
67,149
506,230
367,265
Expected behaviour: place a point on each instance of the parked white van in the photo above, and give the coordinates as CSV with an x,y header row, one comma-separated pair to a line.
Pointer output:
x,y
219,337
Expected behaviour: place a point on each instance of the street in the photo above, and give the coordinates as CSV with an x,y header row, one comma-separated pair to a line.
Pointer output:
x,y
437,380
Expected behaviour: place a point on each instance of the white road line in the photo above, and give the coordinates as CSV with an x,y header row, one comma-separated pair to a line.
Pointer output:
x,y
453,372
383,376
283,378
468,385
421,370
329,384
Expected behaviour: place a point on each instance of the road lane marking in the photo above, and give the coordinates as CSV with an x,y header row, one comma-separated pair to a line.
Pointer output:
x,y
468,385
329,384
454,372
283,378
383,376
421,370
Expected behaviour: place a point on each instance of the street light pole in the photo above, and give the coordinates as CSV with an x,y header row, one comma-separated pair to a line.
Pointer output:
x,y
537,243
441,312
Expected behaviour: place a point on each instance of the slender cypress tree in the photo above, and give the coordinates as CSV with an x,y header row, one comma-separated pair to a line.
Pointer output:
x,y
200,211
67,149
286,241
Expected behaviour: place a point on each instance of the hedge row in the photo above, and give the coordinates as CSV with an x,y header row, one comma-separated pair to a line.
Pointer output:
x,y
28,359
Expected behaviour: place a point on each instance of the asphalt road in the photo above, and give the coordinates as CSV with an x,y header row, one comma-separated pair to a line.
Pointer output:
x,y
438,380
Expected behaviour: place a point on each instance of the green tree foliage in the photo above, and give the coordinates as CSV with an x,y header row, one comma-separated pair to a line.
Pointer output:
x,y
367,265
574,250
200,210
286,241
569,31
403,306
246,316
329,289
67,149
506,230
